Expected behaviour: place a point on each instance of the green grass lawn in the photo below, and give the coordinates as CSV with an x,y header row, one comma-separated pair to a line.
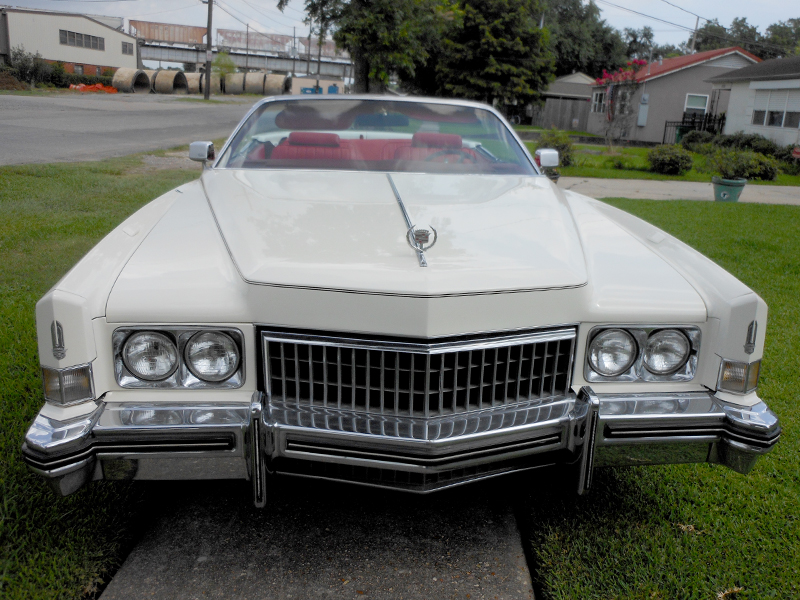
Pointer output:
x,y
695,531
660,532
569,131
52,215
631,163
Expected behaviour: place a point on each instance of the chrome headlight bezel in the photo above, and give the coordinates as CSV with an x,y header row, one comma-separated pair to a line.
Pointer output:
x,y
638,371
193,367
182,377
168,341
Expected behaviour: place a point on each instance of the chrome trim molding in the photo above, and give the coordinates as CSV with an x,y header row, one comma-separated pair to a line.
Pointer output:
x,y
420,253
586,466
252,440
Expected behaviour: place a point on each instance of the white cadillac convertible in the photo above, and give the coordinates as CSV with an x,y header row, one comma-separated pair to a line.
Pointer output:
x,y
388,292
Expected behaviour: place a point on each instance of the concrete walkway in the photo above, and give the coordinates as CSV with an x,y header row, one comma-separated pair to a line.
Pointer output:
x,y
674,190
323,540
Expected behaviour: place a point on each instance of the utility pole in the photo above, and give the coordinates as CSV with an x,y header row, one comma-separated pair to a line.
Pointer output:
x,y
694,35
319,62
247,49
207,89
308,60
294,47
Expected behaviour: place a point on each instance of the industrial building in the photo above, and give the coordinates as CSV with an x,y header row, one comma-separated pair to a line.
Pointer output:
x,y
87,45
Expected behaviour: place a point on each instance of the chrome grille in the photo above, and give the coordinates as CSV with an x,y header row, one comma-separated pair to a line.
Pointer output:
x,y
417,379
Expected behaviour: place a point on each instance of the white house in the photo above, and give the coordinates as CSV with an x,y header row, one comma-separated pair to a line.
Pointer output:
x,y
764,99
84,44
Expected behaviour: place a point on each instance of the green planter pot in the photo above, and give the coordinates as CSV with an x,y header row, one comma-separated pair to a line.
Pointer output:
x,y
727,190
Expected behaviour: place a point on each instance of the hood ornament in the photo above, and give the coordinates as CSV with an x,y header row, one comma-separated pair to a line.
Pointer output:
x,y
750,341
418,238
57,335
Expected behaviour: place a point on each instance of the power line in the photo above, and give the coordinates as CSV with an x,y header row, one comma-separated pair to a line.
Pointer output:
x,y
192,5
269,17
266,35
691,29
684,10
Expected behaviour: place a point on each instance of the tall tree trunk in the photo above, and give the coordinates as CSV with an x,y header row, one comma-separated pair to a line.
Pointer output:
x,y
360,72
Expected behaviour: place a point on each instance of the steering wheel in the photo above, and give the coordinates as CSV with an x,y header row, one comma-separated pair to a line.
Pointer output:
x,y
462,155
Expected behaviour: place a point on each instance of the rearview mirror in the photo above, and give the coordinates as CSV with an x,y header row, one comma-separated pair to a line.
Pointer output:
x,y
546,157
201,151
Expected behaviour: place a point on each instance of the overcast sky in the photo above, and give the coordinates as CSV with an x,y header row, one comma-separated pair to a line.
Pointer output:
x,y
263,16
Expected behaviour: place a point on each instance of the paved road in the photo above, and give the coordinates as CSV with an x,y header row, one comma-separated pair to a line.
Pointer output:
x,y
79,127
674,190
324,540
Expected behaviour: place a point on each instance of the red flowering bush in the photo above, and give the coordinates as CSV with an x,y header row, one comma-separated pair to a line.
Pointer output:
x,y
623,74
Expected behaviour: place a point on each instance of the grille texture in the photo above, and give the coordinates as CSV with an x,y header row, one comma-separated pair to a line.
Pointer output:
x,y
417,383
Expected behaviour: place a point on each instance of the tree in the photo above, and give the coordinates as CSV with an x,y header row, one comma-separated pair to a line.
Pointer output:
x,y
29,67
382,36
669,51
223,64
640,42
783,38
580,39
710,36
621,86
496,52
745,35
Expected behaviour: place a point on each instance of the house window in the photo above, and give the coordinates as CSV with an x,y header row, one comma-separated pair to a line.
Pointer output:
x,y
792,118
599,102
81,40
696,104
760,107
127,48
777,108
78,69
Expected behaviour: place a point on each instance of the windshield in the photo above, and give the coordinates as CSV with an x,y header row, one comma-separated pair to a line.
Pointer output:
x,y
375,135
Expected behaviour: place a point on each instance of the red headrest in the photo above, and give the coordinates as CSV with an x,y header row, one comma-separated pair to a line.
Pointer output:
x,y
311,138
436,140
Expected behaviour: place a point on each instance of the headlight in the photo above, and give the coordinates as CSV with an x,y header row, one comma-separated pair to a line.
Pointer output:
x,y
150,355
666,351
212,356
612,352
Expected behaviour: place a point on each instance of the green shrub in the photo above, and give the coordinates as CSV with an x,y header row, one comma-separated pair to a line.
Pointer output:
x,y
694,138
557,140
784,153
705,149
748,141
669,160
74,79
735,164
791,166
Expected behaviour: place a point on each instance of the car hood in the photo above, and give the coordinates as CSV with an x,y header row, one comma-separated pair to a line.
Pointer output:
x,y
345,231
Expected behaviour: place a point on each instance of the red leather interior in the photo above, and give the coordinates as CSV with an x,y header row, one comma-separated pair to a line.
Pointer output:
x,y
312,138
436,140
313,145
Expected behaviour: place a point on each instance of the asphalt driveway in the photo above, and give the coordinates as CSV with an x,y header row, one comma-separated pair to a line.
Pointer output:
x,y
318,539
69,127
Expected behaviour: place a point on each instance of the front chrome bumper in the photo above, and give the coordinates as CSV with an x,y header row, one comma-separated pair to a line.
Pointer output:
x,y
253,441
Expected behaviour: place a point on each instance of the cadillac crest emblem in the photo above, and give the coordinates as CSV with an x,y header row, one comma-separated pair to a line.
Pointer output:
x,y
57,334
418,238
750,342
